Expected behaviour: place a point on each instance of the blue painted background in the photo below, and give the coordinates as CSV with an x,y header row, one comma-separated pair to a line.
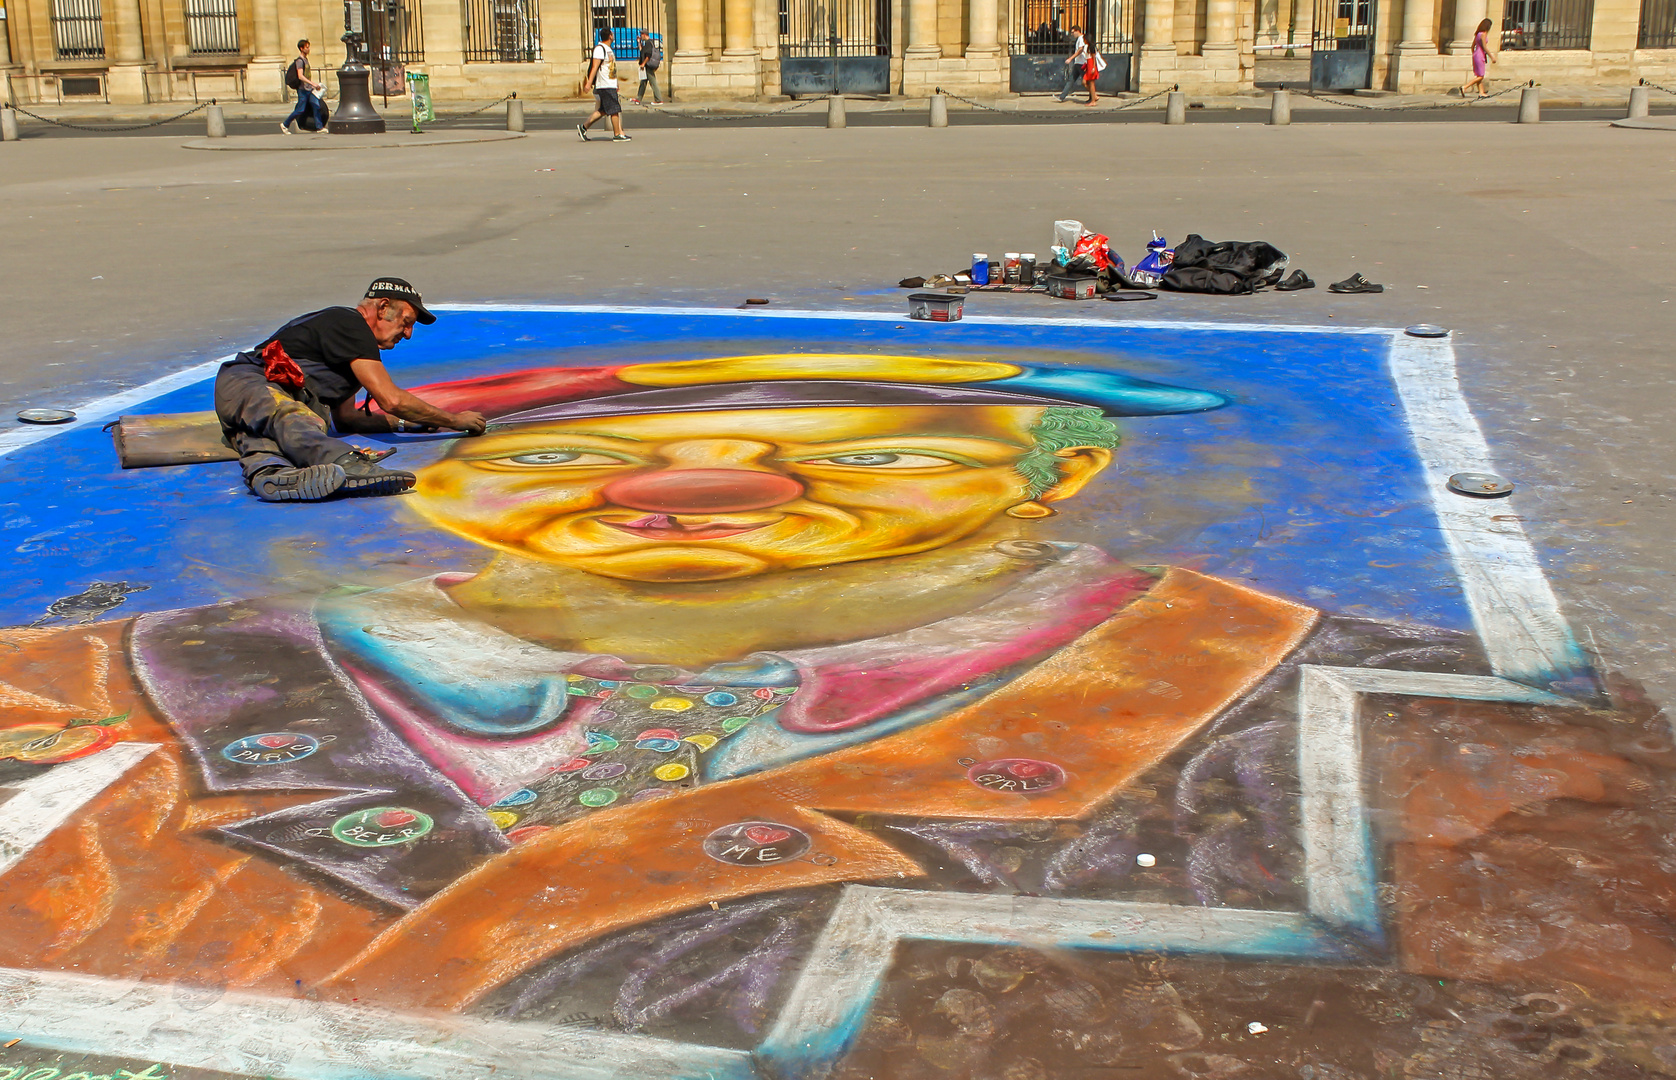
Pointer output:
x,y
1307,486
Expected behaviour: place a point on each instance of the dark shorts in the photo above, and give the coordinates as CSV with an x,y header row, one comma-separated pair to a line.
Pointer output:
x,y
608,103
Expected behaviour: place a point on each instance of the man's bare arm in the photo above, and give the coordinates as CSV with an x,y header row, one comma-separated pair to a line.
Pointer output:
x,y
398,402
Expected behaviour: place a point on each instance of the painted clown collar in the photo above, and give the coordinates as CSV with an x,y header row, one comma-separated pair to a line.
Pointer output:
x,y
545,395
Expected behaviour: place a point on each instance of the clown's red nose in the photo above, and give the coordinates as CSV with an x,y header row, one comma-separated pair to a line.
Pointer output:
x,y
702,491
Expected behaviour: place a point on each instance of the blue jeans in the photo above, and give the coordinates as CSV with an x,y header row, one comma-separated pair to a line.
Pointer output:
x,y
1073,79
307,103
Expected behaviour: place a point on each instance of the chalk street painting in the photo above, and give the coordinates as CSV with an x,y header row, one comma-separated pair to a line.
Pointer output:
x,y
815,694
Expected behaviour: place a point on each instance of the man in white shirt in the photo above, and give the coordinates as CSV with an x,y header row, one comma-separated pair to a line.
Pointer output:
x,y
602,76
1075,62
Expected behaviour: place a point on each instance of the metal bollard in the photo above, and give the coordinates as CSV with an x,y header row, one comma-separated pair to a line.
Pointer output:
x,y
8,125
515,115
215,124
835,111
1175,108
1280,108
1530,105
1637,102
939,111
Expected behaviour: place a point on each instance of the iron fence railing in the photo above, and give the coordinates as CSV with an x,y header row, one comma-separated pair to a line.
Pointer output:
x,y
78,31
502,31
1343,25
1546,24
212,27
834,28
1043,27
626,19
1658,24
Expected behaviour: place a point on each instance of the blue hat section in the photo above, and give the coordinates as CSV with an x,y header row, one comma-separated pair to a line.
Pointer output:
x,y
1117,395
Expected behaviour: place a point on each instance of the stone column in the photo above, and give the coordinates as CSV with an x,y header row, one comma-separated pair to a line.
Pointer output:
x,y
1158,45
689,29
1468,14
265,77
5,42
126,75
922,31
738,28
984,17
1410,61
1221,48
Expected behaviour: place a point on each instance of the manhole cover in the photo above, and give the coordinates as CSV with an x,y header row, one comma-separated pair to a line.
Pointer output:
x,y
1480,485
46,416
1425,329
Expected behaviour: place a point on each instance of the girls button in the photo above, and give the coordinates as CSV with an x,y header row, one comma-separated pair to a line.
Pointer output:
x,y
1024,775
271,748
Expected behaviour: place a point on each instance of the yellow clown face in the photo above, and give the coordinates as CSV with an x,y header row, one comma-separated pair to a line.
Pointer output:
x,y
707,496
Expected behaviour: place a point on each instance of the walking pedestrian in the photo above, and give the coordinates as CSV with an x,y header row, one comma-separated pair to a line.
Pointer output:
x,y
602,76
1480,54
308,91
279,401
651,58
1075,64
1091,75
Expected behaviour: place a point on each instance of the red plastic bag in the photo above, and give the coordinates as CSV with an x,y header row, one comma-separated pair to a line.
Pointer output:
x,y
1090,253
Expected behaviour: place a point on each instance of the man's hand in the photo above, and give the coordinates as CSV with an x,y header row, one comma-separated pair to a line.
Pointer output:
x,y
472,423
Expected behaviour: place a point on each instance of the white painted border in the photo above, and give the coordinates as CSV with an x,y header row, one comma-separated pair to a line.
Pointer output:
x,y
103,409
42,803
1513,608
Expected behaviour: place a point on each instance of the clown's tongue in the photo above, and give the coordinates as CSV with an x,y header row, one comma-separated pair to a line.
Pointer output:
x,y
665,527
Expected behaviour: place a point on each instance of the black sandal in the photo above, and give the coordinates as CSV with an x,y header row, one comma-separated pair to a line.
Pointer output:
x,y
1298,280
1130,294
1355,283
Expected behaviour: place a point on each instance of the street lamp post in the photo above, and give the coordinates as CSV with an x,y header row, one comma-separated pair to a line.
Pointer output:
x,y
355,115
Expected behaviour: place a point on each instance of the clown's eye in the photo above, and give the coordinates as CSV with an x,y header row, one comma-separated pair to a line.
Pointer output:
x,y
883,460
551,458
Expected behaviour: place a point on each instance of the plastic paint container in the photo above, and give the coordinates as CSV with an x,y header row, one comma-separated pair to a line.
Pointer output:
x,y
1009,268
935,307
980,269
1027,268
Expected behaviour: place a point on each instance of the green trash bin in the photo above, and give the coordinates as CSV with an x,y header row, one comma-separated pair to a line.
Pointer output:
x,y
419,89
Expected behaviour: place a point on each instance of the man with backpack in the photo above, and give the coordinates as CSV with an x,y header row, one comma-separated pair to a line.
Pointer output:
x,y
651,58
602,76
309,106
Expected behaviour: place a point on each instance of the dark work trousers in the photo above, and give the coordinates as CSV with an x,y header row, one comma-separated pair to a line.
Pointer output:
x,y
269,424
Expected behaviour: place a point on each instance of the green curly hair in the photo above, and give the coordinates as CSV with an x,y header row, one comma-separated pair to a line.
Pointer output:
x,y
1060,428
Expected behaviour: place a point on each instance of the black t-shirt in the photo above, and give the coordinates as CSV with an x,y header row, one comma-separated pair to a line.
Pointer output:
x,y
324,343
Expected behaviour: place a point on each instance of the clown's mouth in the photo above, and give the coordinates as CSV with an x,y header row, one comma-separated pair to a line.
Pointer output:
x,y
666,527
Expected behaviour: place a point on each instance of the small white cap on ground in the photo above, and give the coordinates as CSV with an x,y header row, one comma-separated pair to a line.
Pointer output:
x,y
1255,1028
1144,859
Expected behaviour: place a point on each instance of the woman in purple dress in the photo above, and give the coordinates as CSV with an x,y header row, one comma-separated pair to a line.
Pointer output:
x,y
1480,54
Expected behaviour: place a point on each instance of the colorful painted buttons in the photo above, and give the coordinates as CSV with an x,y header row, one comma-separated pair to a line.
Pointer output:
x,y
1023,775
270,748
600,796
756,843
673,771
381,826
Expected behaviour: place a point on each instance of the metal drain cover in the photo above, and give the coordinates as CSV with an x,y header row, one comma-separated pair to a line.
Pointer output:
x,y
1425,329
1480,485
46,416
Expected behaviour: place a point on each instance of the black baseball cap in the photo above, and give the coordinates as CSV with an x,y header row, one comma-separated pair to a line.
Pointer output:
x,y
395,288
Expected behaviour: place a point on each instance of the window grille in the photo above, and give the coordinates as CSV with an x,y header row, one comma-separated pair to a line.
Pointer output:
x,y
78,32
625,19
212,26
502,31
1546,24
1658,24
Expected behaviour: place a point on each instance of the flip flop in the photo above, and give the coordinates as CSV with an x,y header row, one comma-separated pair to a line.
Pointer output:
x,y
1298,280
1130,294
1355,283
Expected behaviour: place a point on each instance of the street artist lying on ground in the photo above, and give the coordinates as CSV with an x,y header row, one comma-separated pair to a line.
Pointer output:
x,y
278,402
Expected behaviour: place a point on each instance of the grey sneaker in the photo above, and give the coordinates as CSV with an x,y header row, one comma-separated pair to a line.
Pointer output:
x,y
362,477
582,131
281,484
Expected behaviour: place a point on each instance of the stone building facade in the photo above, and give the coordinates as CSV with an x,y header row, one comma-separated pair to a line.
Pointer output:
x,y
135,51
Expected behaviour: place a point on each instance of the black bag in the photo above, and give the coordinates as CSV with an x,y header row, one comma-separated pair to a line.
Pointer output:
x,y
306,122
293,77
1255,262
1201,279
